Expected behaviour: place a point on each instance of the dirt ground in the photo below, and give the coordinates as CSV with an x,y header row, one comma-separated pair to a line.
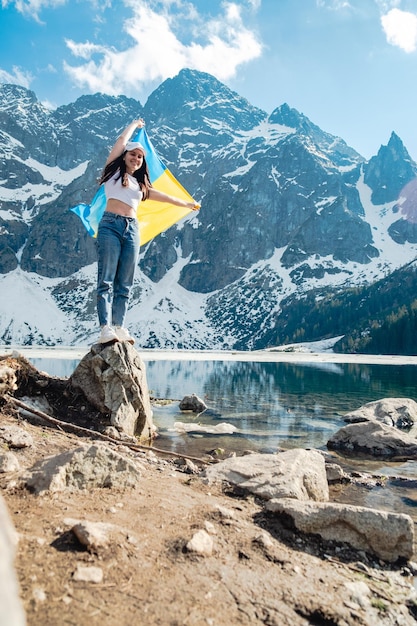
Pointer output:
x,y
260,571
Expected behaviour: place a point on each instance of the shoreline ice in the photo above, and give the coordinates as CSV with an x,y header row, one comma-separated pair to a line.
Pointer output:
x,y
295,353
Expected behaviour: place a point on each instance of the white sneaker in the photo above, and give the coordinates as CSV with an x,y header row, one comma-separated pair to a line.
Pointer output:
x,y
123,334
107,335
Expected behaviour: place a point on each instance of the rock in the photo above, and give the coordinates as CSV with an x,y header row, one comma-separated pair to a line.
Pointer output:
x,y
88,574
374,439
9,462
11,608
264,540
201,543
86,467
210,528
296,473
113,379
192,403
397,412
112,432
336,474
16,437
187,466
8,380
93,535
97,536
359,593
209,429
389,536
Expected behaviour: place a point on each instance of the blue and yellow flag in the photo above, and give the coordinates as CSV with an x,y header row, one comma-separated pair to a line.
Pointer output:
x,y
154,217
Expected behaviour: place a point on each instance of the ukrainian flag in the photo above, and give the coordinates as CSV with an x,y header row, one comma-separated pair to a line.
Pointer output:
x,y
154,217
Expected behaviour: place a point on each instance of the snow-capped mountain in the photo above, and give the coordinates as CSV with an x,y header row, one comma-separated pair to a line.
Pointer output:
x,y
286,208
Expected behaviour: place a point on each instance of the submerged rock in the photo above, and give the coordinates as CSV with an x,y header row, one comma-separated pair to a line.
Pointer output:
x,y
375,440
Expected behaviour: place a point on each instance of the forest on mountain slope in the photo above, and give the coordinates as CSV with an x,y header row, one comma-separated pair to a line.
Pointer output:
x,y
375,319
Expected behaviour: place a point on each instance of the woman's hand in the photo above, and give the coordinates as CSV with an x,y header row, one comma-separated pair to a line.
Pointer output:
x,y
194,206
122,140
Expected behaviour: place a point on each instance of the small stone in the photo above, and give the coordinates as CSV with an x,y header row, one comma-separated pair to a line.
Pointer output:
x,y
16,437
201,543
88,574
9,463
39,594
93,535
264,540
225,513
111,431
210,528
192,403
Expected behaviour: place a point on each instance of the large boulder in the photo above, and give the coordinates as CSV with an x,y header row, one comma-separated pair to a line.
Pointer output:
x,y
297,473
389,536
374,439
86,467
113,379
397,412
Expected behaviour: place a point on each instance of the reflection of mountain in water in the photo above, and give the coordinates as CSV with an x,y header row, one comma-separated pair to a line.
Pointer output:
x,y
281,399
283,404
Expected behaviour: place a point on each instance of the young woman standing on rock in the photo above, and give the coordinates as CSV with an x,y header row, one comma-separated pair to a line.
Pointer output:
x,y
126,182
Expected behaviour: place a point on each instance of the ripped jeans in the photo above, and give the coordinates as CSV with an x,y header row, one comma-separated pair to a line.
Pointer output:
x,y
118,252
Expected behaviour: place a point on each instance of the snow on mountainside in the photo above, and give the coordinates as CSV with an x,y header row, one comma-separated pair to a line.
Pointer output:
x,y
286,208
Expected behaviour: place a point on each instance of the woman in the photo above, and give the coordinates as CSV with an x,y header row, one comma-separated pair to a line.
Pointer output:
x,y
126,182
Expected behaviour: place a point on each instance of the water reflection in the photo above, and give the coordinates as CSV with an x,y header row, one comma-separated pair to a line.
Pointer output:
x,y
272,404
275,405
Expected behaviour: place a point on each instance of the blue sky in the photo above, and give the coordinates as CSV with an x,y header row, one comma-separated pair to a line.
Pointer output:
x,y
348,65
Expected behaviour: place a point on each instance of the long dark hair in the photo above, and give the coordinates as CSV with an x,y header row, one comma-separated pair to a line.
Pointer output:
x,y
118,164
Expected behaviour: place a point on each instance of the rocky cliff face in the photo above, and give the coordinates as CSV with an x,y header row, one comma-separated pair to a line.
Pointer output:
x,y
286,207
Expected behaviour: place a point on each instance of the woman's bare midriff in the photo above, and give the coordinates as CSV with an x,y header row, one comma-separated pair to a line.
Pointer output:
x,y
120,208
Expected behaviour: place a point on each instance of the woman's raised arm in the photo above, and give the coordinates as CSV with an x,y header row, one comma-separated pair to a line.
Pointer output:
x,y
123,138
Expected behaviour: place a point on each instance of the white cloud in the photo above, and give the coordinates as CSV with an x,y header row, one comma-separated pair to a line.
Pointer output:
x,y
32,8
19,77
386,5
334,5
400,28
164,41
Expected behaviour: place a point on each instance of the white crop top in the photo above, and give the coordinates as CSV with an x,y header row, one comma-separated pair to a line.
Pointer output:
x,y
131,195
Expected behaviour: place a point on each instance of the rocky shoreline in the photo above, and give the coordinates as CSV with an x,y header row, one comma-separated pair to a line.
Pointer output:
x,y
111,533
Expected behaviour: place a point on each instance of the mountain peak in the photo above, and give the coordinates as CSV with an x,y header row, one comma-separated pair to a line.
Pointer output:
x,y
389,171
195,96
288,116
333,146
395,144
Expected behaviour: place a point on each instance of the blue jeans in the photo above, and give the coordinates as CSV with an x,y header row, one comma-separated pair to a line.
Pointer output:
x,y
118,251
